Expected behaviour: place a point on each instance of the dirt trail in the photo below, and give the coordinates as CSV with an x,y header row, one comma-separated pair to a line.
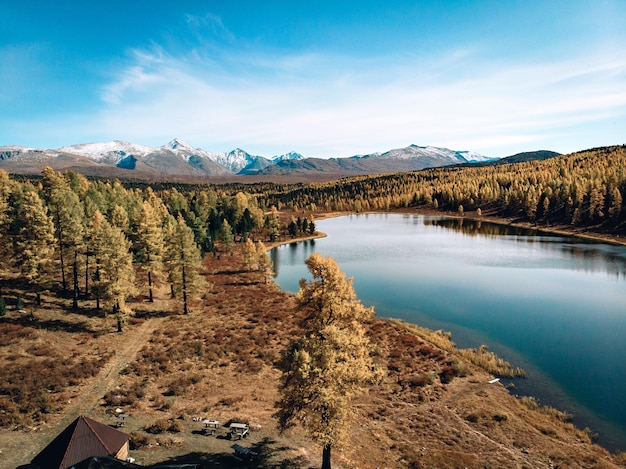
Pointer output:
x,y
134,340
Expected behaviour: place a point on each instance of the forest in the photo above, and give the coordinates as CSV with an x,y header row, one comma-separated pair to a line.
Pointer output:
x,y
584,189
108,241
115,239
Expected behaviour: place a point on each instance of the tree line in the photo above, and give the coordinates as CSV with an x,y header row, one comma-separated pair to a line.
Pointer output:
x,y
108,241
584,189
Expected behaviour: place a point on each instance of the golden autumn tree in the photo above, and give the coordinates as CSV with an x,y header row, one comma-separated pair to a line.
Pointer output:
x,y
35,245
183,260
331,364
114,278
149,246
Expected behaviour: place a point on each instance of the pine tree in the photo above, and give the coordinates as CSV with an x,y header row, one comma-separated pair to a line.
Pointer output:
x,y
6,187
263,261
119,218
67,214
114,277
292,228
183,261
35,245
248,250
273,224
227,237
331,364
149,246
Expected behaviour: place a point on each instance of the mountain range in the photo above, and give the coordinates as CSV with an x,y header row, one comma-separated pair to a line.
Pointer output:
x,y
179,159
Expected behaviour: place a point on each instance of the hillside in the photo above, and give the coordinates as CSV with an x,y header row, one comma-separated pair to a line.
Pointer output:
x,y
434,409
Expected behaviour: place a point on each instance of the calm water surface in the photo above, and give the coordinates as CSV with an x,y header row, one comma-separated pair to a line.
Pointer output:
x,y
553,305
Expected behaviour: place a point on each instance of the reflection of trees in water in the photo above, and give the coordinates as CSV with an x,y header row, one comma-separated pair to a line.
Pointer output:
x,y
591,256
308,247
478,227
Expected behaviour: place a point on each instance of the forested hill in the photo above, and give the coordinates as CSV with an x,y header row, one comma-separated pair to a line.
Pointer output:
x,y
584,189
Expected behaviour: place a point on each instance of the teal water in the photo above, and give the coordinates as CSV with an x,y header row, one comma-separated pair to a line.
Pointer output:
x,y
553,305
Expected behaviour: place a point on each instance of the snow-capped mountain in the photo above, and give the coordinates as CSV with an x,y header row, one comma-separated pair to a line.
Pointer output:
x,y
238,160
433,153
178,158
292,155
107,150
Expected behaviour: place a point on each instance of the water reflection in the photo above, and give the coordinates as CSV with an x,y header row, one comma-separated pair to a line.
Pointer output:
x,y
293,254
590,255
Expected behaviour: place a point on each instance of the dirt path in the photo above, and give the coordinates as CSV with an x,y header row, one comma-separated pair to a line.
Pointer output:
x,y
133,340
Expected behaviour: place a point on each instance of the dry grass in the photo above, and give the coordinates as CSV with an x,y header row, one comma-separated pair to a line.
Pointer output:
x,y
435,407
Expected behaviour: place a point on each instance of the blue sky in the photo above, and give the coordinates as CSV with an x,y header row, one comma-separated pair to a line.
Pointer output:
x,y
324,78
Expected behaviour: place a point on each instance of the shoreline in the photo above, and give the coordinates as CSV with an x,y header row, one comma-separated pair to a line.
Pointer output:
x,y
605,435
557,229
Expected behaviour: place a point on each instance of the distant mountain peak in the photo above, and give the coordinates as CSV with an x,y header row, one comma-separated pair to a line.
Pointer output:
x,y
292,155
178,144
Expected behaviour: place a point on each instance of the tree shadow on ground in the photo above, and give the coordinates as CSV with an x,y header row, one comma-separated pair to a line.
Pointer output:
x,y
49,324
266,457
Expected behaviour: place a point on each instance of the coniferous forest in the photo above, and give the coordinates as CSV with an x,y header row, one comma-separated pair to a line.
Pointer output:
x,y
110,240
584,189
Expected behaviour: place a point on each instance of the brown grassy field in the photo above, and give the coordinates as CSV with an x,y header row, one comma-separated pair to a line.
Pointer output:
x,y
167,371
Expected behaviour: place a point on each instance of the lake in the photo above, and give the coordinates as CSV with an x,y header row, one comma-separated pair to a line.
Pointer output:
x,y
552,305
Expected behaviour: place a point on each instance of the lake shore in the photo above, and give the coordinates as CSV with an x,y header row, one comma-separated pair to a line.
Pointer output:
x,y
388,238
563,230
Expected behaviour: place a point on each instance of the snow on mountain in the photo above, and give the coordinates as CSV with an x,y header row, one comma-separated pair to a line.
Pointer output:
x,y
179,158
108,150
473,157
235,160
187,152
292,155
178,144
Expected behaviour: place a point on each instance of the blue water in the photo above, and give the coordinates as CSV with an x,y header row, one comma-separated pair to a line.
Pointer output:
x,y
553,305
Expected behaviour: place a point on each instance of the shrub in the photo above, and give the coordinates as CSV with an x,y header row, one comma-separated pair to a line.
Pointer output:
x,y
533,404
140,440
157,427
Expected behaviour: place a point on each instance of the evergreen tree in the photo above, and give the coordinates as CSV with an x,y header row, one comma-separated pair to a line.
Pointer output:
x,y
311,226
263,261
6,187
67,214
273,224
35,245
114,277
227,237
183,261
149,246
118,217
250,260
292,228
331,364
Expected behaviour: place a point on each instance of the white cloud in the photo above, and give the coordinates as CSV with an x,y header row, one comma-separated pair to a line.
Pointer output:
x,y
338,106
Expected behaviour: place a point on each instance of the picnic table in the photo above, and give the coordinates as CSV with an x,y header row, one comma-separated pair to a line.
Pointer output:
x,y
211,426
240,430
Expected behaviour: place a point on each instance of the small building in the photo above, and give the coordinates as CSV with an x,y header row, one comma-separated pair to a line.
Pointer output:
x,y
82,439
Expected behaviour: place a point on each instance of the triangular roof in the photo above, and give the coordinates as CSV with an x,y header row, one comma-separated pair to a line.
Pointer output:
x,y
82,439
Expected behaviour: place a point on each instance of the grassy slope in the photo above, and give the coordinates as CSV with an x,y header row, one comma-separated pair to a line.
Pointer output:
x,y
217,362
